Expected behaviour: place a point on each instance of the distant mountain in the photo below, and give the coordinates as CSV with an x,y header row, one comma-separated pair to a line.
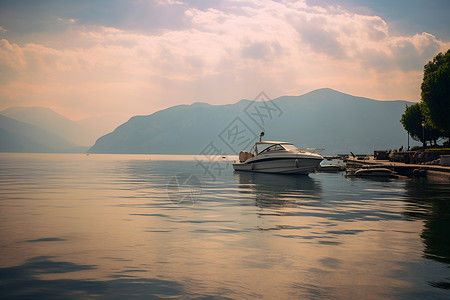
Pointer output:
x,y
53,122
323,118
16,136
99,126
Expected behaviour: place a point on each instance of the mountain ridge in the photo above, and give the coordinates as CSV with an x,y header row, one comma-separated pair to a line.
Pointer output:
x,y
82,133
50,121
322,118
17,136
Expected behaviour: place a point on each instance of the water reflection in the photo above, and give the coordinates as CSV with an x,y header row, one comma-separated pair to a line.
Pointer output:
x,y
272,190
369,178
25,281
95,227
430,201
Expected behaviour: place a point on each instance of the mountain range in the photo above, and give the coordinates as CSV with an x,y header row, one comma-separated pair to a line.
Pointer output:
x,y
16,136
324,118
39,129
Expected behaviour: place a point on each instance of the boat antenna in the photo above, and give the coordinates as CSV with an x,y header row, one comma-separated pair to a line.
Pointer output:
x,y
261,135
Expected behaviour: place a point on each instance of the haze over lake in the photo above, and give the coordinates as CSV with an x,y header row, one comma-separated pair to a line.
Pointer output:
x,y
116,226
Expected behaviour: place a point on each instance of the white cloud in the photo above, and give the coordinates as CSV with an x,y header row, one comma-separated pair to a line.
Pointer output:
x,y
169,2
220,57
67,21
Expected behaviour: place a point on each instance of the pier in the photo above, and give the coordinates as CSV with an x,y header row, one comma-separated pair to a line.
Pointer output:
x,y
411,170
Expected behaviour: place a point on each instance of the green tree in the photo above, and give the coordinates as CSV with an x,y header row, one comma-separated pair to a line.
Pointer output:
x,y
412,121
436,93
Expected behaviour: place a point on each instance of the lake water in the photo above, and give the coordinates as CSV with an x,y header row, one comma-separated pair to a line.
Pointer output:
x,y
141,226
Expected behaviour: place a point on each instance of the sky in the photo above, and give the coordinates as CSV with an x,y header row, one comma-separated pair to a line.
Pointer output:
x,y
134,57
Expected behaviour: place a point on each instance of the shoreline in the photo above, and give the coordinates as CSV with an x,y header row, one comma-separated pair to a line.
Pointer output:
x,y
410,170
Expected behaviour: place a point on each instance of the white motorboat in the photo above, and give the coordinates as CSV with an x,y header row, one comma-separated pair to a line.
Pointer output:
x,y
277,157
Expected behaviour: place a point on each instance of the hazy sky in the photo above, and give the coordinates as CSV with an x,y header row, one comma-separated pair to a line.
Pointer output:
x,y
90,58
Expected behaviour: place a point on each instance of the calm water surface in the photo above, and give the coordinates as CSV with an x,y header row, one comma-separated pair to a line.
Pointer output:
x,y
139,226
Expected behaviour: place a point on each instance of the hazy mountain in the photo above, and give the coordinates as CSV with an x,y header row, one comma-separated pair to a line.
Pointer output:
x,y
324,118
53,122
16,136
99,126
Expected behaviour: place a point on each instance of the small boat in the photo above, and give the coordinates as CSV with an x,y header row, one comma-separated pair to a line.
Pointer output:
x,y
330,168
277,157
369,172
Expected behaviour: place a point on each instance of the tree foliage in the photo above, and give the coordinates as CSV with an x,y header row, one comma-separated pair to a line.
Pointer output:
x,y
412,122
436,92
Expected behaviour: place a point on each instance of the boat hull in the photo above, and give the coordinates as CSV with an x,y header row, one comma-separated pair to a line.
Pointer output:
x,y
331,168
370,172
280,165
374,172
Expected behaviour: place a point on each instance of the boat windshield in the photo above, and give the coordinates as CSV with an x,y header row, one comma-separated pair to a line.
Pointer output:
x,y
276,147
290,147
262,147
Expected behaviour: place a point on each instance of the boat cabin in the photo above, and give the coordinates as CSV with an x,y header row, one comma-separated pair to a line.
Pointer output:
x,y
266,147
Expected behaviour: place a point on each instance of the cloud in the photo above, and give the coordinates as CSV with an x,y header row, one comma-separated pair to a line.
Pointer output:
x,y
67,21
260,50
169,2
220,55
320,39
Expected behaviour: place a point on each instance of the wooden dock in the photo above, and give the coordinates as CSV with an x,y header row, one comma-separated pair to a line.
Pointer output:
x,y
410,170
